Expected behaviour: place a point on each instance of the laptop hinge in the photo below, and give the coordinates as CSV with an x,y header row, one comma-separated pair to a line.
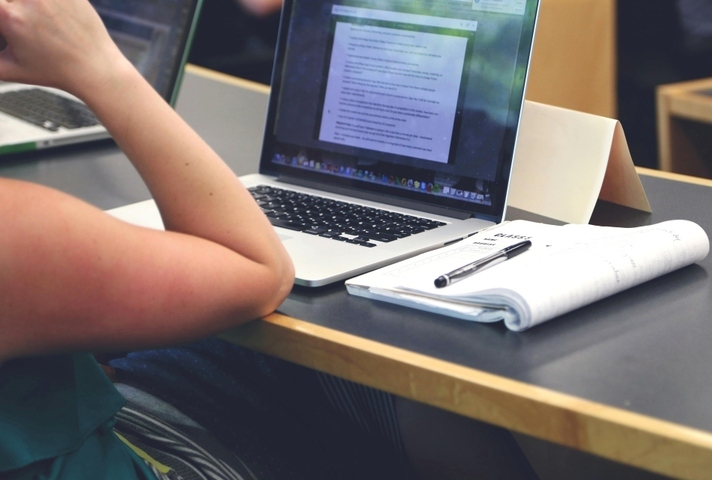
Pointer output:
x,y
375,197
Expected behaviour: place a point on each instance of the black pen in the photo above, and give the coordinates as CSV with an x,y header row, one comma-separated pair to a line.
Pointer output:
x,y
477,265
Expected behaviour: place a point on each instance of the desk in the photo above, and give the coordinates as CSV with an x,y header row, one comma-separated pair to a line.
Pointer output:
x,y
627,378
684,113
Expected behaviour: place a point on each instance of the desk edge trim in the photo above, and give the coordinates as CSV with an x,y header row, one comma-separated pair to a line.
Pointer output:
x,y
627,437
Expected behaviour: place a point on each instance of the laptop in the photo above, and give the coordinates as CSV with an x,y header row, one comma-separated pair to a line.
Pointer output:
x,y
403,113
154,34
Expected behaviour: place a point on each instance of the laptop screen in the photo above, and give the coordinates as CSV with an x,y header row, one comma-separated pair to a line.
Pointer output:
x,y
154,35
411,99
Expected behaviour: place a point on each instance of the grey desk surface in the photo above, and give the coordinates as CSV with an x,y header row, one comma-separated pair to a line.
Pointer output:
x,y
645,351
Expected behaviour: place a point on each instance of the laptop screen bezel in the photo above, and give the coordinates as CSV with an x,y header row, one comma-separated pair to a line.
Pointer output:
x,y
354,187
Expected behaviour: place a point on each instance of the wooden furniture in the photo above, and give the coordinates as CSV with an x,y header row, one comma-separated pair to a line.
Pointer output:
x,y
574,60
684,112
627,378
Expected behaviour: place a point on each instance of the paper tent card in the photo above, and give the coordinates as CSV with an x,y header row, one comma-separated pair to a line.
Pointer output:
x,y
566,160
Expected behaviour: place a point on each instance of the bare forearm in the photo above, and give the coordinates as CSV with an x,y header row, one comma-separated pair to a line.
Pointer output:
x,y
96,282
203,196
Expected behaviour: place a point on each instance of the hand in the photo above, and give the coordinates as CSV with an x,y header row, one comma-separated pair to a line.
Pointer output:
x,y
3,43
59,43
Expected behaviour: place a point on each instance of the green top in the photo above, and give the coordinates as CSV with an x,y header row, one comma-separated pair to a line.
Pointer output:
x,y
56,415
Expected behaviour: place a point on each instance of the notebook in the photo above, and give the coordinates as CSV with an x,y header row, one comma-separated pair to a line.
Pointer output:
x,y
407,107
155,35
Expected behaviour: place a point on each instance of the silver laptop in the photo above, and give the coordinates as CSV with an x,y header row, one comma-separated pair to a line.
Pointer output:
x,y
396,105
400,117
154,34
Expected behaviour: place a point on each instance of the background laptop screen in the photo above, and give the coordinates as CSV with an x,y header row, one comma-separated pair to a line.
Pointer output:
x,y
419,99
152,35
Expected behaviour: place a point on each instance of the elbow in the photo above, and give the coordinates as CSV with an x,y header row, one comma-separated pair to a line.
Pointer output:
x,y
284,282
278,287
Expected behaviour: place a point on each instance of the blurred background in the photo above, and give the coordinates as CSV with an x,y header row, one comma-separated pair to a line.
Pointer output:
x,y
606,57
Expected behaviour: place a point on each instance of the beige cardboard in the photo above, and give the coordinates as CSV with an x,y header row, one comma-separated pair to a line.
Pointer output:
x,y
566,160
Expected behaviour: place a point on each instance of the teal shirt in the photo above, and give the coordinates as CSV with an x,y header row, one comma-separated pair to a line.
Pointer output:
x,y
56,415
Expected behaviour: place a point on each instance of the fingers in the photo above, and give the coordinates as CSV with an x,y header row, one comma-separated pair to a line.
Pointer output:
x,y
47,39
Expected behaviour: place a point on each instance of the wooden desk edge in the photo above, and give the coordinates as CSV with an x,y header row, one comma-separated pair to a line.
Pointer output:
x,y
678,177
626,437
687,86
613,433
229,79
686,104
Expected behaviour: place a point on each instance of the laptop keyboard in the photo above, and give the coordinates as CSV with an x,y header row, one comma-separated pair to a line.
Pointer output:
x,y
46,109
341,221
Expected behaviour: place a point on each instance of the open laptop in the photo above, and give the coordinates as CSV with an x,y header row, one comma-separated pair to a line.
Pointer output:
x,y
154,34
403,106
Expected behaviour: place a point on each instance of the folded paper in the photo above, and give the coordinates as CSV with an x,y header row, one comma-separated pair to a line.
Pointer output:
x,y
566,161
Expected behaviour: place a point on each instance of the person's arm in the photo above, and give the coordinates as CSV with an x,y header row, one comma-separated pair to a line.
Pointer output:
x,y
74,278
260,8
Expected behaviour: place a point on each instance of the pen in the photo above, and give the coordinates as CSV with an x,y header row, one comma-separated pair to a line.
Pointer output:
x,y
477,265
